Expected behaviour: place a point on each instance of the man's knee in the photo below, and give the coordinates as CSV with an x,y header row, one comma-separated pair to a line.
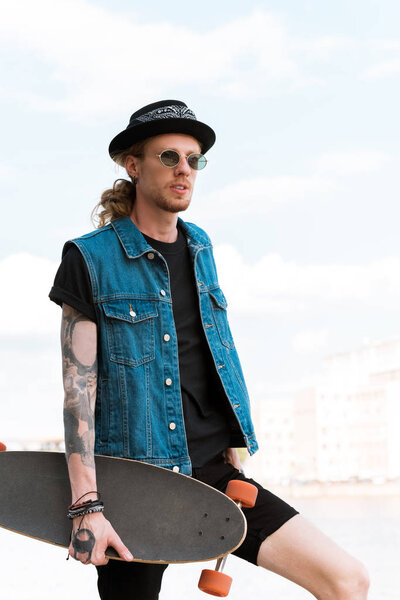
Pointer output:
x,y
354,584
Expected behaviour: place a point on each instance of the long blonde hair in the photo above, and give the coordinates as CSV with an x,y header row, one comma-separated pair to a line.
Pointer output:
x,y
118,201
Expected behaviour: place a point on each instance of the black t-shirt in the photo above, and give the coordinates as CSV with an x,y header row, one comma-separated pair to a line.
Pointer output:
x,y
205,405
72,284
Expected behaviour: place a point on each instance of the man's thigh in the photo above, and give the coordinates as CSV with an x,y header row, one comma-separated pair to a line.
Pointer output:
x,y
302,553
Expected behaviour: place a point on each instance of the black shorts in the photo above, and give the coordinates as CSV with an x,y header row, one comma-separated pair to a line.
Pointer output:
x,y
268,514
140,581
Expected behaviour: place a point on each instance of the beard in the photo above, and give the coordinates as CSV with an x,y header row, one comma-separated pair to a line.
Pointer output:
x,y
172,205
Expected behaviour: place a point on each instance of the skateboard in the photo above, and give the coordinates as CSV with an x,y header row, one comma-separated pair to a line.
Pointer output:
x,y
161,516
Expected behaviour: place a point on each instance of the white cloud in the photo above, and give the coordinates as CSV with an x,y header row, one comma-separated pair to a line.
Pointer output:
x,y
7,172
31,391
366,58
310,341
385,68
273,285
260,195
323,48
350,163
25,308
105,59
386,45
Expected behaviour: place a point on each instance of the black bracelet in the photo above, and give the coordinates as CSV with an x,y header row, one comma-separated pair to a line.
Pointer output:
x,y
85,511
83,495
86,508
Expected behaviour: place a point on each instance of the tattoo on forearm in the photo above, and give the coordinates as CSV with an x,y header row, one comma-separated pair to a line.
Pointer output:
x,y
80,380
83,542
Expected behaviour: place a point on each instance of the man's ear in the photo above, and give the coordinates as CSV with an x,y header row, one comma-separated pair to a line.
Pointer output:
x,y
131,165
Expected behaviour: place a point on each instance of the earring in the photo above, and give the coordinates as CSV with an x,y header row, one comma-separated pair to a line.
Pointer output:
x,y
134,180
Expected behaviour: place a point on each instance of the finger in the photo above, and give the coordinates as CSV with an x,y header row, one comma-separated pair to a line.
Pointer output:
x,y
99,559
98,556
77,557
120,547
82,558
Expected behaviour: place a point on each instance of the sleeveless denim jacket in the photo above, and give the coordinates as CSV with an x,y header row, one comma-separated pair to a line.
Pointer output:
x,y
138,411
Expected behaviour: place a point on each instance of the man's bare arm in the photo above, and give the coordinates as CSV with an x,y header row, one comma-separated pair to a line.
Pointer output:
x,y
79,355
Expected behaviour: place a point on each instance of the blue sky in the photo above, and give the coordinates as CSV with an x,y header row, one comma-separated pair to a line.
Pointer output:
x,y
300,195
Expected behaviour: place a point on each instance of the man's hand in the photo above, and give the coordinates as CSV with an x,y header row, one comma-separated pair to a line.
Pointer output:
x,y
90,541
231,456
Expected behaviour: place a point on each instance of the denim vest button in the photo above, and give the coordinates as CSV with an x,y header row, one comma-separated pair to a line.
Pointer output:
x,y
172,426
167,337
132,313
176,469
163,292
168,381
150,255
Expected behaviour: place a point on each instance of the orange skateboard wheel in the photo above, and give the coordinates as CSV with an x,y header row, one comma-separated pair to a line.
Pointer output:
x,y
243,492
215,583
3,447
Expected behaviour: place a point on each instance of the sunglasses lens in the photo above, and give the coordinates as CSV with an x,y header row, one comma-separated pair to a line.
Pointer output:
x,y
197,161
169,158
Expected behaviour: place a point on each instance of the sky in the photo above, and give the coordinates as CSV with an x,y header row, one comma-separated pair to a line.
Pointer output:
x,y
300,196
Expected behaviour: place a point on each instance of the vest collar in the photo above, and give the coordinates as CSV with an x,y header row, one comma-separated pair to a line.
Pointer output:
x,y
194,236
130,237
135,244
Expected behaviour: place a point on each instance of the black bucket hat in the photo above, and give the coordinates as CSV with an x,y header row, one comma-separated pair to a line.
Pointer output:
x,y
165,116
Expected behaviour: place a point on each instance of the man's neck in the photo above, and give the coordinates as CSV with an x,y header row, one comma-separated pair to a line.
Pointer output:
x,y
157,224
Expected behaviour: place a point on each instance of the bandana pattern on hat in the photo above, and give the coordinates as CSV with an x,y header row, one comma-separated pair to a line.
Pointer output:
x,y
168,112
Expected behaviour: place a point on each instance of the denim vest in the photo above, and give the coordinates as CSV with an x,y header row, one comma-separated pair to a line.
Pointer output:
x,y
139,407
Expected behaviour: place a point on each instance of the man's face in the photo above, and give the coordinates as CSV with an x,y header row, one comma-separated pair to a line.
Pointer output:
x,y
157,184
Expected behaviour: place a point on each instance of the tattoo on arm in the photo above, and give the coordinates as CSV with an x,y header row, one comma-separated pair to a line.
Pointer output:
x,y
78,340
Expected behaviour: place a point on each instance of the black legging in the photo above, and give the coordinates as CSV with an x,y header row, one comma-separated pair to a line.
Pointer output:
x,y
119,580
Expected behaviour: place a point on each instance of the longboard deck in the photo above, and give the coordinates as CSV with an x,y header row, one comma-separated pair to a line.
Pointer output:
x,y
161,516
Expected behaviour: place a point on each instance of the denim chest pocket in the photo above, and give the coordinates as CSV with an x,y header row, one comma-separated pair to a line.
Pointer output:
x,y
219,307
130,330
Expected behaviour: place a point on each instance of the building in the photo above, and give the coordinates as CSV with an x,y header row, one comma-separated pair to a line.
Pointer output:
x,y
345,427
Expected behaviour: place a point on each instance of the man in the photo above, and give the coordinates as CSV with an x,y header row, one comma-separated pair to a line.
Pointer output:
x,y
150,368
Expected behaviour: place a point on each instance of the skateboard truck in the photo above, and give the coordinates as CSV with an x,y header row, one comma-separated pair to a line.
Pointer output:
x,y
215,582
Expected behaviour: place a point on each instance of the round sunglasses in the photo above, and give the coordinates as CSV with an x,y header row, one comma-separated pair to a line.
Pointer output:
x,y
171,158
